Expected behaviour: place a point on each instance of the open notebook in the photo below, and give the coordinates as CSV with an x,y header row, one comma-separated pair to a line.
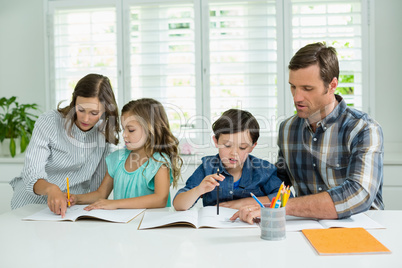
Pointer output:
x,y
77,212
196,218
358,220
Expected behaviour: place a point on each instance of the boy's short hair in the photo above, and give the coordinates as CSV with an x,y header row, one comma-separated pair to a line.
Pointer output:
x,y
234,121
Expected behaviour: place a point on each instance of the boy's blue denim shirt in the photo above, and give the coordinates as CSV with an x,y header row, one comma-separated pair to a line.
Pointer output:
x,y
258,177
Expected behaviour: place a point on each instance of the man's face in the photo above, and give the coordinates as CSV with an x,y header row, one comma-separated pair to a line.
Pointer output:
x,y
311,98
234,149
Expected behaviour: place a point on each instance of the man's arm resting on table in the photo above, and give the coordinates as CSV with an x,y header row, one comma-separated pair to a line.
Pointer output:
x,y
318,206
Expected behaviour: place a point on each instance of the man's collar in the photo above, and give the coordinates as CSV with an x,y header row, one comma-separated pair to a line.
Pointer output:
x,y
331,118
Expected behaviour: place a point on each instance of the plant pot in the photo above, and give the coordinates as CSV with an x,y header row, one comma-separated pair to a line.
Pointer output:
x,y
5,147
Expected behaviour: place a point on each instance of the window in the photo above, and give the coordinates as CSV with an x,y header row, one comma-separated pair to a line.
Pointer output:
x,y
243,60
339,24
82,41
200,58
163,57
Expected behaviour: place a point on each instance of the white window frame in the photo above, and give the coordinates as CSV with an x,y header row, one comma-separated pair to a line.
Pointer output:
x,y
284,50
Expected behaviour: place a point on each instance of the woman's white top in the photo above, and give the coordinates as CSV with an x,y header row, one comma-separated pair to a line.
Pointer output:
x,y
54,155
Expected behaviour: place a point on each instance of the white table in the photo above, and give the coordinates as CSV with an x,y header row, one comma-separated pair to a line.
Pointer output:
x,y
89,243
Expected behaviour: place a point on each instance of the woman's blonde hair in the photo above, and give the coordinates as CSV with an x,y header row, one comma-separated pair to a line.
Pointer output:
x,y
95,85
152,116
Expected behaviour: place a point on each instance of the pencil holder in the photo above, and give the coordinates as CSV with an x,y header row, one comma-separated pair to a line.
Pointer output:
x,y
273,223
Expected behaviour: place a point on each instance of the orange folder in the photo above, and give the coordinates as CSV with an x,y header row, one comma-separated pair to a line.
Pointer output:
x,y
334,241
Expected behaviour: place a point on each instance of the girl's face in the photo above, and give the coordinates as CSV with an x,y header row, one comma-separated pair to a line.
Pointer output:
x,y
134,134
88,111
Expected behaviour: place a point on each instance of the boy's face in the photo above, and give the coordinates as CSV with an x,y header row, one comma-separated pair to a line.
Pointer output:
x,y
234,149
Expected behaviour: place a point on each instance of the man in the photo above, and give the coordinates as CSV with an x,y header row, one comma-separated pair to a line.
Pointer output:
x,y
331,154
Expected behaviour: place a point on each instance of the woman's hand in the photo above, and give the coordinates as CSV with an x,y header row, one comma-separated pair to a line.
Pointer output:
x,y
57,201
102,204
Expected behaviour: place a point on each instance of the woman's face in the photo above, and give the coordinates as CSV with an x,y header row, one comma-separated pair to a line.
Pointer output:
x,y
88,111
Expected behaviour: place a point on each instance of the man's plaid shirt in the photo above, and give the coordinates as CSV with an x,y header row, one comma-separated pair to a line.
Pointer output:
x,y
343,157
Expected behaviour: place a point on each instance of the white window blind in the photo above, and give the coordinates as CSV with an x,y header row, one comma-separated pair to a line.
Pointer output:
x,y
243,59
162,57
83,41
202,57
339,24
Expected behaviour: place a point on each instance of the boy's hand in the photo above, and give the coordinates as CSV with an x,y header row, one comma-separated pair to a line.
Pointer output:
x,y
209,183
101,204
235,204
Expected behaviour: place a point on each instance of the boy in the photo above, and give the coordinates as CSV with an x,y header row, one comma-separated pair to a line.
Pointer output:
x,y
235,135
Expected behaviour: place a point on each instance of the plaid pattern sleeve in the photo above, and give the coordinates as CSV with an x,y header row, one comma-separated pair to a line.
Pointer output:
x,y
343,157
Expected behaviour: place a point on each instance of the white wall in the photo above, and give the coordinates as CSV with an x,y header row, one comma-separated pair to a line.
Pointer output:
x,y
22,62
388,58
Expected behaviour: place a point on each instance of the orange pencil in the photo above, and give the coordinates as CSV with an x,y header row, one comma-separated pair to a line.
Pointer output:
x,y
273,201
279,192
68,193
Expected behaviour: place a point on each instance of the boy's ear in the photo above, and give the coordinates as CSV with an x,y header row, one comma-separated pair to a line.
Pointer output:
x,y
215,141
252,147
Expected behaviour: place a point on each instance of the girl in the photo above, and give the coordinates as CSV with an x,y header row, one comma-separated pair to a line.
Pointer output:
x,y
69,142
139,175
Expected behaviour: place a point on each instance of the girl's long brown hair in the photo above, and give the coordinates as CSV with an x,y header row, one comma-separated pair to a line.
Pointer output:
x,y
95,85
155,122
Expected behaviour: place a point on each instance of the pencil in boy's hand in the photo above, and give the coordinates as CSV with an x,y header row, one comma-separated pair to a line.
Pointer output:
x,y
68,193
217,195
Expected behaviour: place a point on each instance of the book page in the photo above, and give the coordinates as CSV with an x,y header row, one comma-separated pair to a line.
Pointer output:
x,y
77,211
155,218
294,224
207,217
46,214
358,220
115,215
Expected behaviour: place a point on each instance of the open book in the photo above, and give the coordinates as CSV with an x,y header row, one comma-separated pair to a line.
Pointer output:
x,y
203,217
358,220
77,212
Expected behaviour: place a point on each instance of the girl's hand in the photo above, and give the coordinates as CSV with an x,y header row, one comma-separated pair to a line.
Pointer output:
x,y
73,199
101,204
209,183
57,201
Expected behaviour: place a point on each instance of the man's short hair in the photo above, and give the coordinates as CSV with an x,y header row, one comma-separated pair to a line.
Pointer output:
x,y
234,121
317,53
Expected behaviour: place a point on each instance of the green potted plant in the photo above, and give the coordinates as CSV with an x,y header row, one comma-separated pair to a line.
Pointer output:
x,y
16,122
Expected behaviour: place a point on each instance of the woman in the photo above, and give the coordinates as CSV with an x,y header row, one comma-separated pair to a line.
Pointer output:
x,y
69,142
